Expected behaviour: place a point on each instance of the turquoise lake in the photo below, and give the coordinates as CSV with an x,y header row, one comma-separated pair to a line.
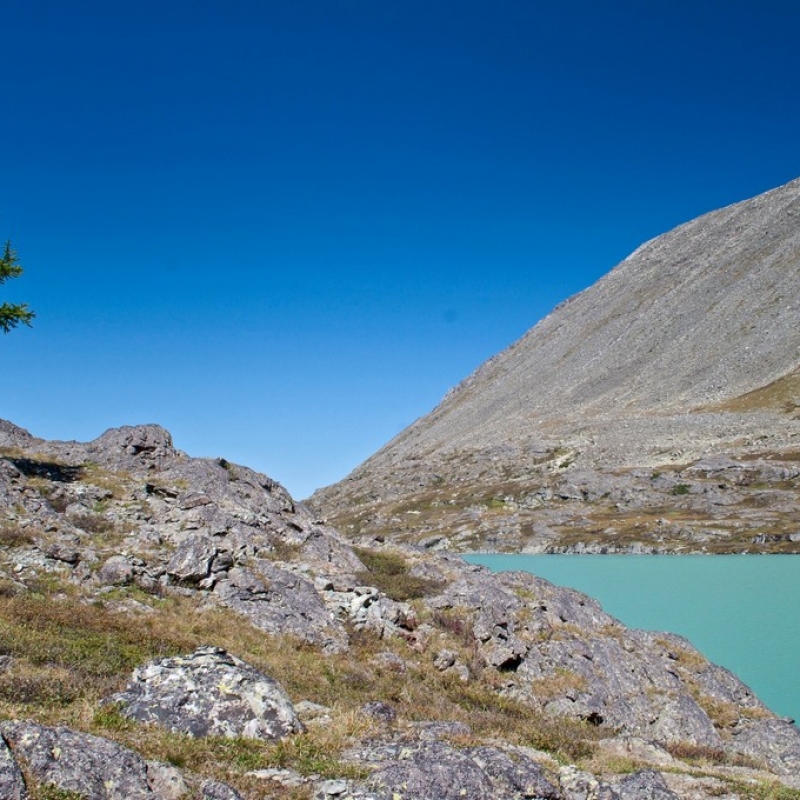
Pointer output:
x,y
742,612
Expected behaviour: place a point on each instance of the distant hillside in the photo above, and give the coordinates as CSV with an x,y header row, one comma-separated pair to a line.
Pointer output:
x,y
689,348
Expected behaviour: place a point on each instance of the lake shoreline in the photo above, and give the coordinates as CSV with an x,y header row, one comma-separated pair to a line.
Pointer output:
x,y
740,612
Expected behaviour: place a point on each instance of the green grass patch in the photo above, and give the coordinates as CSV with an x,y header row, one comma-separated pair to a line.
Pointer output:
x,y
389,571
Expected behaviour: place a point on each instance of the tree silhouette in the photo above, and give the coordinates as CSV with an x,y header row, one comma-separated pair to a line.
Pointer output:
x,y
12,314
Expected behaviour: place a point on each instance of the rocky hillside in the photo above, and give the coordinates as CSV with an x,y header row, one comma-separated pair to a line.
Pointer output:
x,y
657,411
173,627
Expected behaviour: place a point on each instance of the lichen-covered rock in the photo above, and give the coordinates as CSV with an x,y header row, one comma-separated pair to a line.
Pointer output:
x,y
166,781
434,770
430,768
561,651
92,767
775,741
517,776
209,693
116,571
149,442
575,784
12,784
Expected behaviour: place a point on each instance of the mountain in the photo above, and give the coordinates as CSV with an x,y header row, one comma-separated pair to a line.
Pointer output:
x,y
671,385
175,627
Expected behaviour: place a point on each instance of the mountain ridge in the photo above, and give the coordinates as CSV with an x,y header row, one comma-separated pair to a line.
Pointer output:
x,y
642,369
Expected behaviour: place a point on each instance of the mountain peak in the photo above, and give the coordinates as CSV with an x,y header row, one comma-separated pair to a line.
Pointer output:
x,y
642,369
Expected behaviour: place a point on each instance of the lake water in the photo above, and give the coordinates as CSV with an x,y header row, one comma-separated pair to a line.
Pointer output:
x,y
742,612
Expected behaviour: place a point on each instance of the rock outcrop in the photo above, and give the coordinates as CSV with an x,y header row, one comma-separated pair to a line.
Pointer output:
x,y
581,436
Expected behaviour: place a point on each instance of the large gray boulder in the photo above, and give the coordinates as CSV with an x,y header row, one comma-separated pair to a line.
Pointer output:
x,y
191,562
280,602
775,741
426,769
90,766
645,785
209,693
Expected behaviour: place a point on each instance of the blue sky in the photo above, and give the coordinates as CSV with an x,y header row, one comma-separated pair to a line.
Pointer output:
x,y
284,229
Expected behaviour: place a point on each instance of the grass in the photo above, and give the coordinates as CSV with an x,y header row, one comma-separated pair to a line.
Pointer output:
x,y
12,535
389,571
780,395
69,653
763,791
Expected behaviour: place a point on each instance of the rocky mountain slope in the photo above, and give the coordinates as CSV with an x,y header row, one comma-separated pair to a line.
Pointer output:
x,y
173,627
657,411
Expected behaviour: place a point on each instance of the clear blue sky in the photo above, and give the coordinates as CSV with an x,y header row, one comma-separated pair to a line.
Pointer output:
x,y
284,229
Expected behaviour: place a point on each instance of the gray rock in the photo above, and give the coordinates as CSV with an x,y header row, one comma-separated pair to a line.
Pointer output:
x,y
775,741
12,784
191,562
280,602
578,785
519,776
645,785
434,770
209,693
331,789
166,781
193,500
146,442
444,659
63,551
383,712
116,571
214,790
92,767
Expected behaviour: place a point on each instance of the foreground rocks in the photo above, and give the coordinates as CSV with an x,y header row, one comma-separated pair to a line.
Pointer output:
x,y
95,768
128,517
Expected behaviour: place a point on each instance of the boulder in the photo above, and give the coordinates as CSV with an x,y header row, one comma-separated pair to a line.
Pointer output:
x,y
209,693
645,785
90,766
191,562
434,770
280,602
425,769
116,571
775,741
578,785
214,790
